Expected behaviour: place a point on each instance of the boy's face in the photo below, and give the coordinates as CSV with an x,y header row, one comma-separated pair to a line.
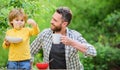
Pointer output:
x,y
18,22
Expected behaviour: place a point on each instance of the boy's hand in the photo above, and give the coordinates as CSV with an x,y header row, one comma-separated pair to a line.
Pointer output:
x,y
7,43
31,64
31,22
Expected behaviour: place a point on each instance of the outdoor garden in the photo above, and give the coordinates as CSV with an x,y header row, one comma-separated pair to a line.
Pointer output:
x,y
97,20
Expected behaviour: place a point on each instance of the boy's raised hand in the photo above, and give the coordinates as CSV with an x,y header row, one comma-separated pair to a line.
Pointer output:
x,y
31,22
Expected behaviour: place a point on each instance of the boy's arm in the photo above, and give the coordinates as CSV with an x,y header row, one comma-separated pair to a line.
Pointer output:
x,y
35,29
6,43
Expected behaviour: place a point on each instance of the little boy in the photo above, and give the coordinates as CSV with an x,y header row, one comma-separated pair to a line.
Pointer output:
x,y
19,53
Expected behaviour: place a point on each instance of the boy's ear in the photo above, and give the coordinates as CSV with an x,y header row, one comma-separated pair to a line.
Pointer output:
x,y
11,24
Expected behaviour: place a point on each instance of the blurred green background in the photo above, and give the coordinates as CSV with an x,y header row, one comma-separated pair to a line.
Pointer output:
x,y
97,20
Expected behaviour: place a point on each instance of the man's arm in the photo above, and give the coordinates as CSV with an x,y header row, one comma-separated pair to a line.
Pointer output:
x,y
36,45
81,44
90,49
38,42
86,48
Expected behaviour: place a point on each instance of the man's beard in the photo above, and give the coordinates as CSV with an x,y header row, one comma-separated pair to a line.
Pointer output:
x,y
56,29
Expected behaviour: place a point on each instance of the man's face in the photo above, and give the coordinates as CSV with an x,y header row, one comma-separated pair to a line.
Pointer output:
x,y
56,22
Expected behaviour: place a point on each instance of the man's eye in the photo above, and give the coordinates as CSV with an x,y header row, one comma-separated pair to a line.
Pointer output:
x,y
55,20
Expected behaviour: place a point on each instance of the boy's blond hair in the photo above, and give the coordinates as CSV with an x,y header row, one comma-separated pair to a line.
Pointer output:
x,y
16,13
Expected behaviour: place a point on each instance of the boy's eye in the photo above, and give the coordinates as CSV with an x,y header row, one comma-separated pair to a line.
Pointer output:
x,y
22,20
17,20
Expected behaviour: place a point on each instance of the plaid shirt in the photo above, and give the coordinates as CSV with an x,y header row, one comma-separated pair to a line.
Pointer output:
x,y
44,41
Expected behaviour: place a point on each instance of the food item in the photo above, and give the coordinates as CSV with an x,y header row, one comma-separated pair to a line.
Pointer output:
x,y
42,65
13,39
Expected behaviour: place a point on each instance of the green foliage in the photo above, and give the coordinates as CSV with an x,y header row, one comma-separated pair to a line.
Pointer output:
x,y
40,11
3,52
16,3
38,57
107,58
110,26
97,20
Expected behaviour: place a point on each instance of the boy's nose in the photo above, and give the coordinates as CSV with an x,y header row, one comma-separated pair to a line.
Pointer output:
x,y
19,22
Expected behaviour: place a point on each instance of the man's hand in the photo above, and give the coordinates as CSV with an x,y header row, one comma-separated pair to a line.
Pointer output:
x,y
65,40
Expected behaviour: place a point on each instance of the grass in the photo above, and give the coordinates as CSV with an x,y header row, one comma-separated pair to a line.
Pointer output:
x,y
3,52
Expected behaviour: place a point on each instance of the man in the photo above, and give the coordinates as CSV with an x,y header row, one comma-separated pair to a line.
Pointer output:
x,y
64,55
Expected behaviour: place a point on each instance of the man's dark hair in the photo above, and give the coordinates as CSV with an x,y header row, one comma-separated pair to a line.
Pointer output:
x,y
66,13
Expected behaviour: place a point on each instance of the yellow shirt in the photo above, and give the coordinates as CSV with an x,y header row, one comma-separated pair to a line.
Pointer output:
x,y
20,51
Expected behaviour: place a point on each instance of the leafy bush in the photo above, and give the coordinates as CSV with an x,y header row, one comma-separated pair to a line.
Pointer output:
x,y
111,29
107,58
3,52
98,21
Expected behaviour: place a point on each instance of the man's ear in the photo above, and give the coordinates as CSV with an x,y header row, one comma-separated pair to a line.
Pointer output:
x,y
65,23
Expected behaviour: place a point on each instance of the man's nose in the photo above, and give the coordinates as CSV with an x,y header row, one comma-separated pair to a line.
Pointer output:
x,y
51,22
